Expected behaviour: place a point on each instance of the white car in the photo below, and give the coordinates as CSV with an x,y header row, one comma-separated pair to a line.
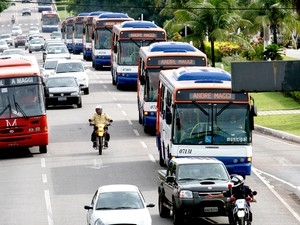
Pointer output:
x,y
3,45
33,30
16,30
118,204
7,38
75,68
56,51
48,68
14,51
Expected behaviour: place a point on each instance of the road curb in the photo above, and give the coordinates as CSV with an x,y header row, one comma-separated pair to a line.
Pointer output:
x,y
278,134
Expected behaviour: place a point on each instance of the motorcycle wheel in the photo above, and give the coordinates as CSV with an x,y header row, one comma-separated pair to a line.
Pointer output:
x,y
100,145
241,221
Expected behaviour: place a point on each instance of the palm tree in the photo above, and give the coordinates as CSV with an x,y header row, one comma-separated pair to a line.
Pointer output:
x,y
214,19
274,15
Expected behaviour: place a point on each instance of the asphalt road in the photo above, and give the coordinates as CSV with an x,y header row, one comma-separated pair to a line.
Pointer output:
x,y
52,188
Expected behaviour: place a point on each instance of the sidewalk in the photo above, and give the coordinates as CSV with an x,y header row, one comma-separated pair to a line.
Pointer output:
x,y
276,133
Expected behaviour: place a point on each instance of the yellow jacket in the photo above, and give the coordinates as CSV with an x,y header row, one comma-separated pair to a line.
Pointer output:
x,y
100,119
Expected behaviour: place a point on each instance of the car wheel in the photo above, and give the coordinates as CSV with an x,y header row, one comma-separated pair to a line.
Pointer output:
x,y
43,149
164,212
16,46
86,91
80,104
178,215
30,51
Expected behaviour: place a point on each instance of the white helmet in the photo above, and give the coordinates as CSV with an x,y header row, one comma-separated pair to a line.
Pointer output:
x,y
98,107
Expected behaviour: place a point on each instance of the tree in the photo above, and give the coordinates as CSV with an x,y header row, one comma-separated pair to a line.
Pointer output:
x,y
212,19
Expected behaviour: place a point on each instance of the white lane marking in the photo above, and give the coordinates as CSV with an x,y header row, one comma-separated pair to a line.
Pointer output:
x,y
43,163
151,158
114,98
297,217
105,86
48,207
143,144
129,122
97,163
124,113
136,132
119,105
44,178
276,178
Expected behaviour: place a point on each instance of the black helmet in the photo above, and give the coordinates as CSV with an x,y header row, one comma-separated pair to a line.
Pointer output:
x,y
237,180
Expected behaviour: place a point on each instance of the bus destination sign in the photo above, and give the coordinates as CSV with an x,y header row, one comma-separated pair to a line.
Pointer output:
x,y
176,61
213,95
18,81
143,35
107,23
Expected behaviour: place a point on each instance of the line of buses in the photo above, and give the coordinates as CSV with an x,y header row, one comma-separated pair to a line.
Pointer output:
x,y
187,104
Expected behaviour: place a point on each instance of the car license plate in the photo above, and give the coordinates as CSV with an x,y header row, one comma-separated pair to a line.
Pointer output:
x,y
62,98
211,209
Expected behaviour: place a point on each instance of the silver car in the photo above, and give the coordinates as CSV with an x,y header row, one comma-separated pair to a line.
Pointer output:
x,y
35,45
7,38
3,45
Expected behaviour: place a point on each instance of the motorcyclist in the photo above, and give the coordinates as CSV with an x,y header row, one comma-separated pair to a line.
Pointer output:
x,y
239,190
13,19
99,117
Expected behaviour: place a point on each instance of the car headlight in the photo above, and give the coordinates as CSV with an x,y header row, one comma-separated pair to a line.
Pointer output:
x,y
75,94
99,222
185,194
51,95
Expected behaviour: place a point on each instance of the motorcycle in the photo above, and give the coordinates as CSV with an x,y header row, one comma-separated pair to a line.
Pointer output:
x,y
101,136
241,210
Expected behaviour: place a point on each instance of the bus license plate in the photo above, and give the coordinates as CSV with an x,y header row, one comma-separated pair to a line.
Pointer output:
x,y
210,209
62,98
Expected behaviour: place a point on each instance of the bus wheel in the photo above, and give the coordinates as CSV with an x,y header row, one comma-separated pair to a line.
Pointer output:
x,y
43,149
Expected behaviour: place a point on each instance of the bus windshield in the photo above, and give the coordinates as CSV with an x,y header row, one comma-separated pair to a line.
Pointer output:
x,y
88,33
205,124
69,32
50,21
102,39
21,101
129,53
151,85
78,30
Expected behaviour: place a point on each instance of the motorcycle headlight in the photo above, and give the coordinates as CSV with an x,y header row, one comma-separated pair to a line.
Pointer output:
x,y
185,194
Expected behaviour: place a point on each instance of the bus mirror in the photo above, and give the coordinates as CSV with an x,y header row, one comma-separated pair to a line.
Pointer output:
x,y
83,30
115,49
168,117
93,36
61,30
254,110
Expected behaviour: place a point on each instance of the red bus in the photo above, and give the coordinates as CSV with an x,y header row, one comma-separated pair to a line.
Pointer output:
x,y
23,119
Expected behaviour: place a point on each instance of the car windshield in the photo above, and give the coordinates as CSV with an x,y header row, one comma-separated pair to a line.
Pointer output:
x,y
37,41
57,50
50,65
119,201
69,67
205,171
13,52
61,82
5,36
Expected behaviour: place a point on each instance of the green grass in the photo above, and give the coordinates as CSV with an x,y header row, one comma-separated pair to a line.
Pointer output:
x,y
274,101
286,123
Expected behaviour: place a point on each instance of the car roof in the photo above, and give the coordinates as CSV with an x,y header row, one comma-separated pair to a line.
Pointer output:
x,y
195,160
69,61
117,188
